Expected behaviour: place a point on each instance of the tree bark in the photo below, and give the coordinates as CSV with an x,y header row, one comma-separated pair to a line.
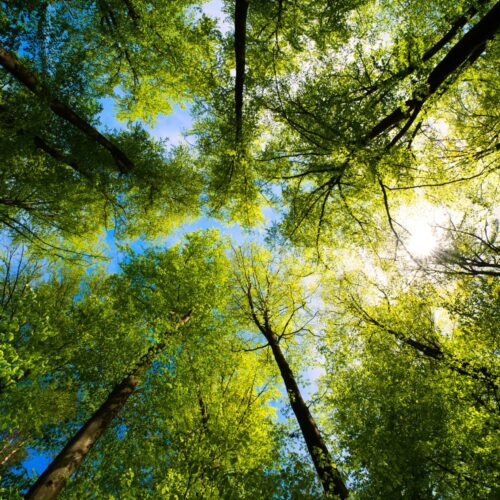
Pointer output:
x,y
240,26
28,79
467,49
327,472
61,157
52,480
458,24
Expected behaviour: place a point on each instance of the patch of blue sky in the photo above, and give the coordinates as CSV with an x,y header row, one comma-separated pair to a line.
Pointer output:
x,y
215,10
310,378
36,462
114,252
172,128
108,114
236,234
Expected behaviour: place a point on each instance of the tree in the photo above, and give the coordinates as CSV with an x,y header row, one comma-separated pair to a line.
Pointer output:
x,y
50,483
327,137
64,179
412,381
187,291
343,117
273,309
215,418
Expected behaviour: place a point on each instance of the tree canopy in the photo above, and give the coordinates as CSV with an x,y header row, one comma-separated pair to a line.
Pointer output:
x,y
336,336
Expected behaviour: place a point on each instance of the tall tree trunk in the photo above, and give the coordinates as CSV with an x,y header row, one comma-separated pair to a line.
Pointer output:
x,y
52,480
240,26
28,79
327,472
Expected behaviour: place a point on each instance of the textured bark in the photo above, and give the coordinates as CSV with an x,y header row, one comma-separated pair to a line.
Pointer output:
x,y
327,472
53,479
240,27
28,79
466,50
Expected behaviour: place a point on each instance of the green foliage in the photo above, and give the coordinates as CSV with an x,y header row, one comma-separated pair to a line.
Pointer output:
x,y
353,113
412,381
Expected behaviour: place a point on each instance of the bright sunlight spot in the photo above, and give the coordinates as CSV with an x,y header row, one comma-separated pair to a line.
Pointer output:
x,y
423,240
421,222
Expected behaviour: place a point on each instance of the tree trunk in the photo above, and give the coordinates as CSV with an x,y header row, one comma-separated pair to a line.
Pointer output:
x,y
471,45
466,50
327,472
53,479
240,26
28,79
61,157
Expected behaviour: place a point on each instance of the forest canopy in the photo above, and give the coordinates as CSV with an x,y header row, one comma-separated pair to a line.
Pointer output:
x,y
291,291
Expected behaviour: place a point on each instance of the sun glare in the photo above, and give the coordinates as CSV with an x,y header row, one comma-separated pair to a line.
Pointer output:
x,y
421,221
422,240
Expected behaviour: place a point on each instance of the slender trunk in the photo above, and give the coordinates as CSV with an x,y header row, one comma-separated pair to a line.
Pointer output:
x,y
327,472
13,202
52,480
28,79
11,448
240,23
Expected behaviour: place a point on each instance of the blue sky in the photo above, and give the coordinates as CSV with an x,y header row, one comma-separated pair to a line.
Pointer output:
x,y
175,128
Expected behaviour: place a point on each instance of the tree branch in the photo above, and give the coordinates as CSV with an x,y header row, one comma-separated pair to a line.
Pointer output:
x,y
29,80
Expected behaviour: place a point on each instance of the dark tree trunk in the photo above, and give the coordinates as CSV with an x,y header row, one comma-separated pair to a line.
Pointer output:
x,y
52,480
458,24
61,157
240,26
327,472
471,45
466,50
24,76
131,10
